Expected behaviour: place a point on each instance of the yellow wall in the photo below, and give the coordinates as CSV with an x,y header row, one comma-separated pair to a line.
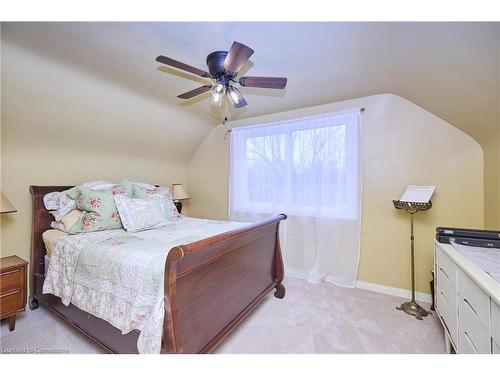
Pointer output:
x,y
61,125
23,166
402,144
491,146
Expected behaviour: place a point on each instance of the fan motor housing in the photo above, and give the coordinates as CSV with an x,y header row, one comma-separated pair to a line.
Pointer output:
x,y
215,63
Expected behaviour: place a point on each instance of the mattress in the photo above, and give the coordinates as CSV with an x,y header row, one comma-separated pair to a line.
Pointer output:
x,y
50,238
488,259
118,276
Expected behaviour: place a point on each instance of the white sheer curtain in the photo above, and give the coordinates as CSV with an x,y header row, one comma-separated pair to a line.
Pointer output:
x,y
309,169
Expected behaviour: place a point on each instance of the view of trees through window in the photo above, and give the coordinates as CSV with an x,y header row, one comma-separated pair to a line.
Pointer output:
x,y
293,165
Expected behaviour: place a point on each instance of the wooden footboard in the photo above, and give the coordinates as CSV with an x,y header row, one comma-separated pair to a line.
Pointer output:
x,y
212,284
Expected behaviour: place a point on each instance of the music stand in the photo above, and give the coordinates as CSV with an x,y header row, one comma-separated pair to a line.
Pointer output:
x,y
412,307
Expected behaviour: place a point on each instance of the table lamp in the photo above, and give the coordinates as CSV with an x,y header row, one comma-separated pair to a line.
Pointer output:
x,y
5,205
178,195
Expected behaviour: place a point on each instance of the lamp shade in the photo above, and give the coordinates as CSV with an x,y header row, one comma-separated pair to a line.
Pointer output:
x,y
5,205
178,192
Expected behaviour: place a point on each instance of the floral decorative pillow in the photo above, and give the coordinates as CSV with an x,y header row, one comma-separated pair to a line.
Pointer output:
x,y
163,194
99,210
52,200
145,185
140,214
126,187
61,204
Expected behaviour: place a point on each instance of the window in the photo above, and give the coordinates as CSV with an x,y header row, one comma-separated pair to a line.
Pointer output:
x,y
303,167
309,169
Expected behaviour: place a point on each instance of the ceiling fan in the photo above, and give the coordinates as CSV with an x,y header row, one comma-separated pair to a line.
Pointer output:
x,y
223,67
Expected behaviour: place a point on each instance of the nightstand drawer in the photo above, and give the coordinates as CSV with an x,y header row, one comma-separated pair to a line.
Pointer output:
x,y
11,302
13,283
11,279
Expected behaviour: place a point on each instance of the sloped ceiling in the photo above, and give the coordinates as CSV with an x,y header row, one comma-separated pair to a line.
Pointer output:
x,y
450,69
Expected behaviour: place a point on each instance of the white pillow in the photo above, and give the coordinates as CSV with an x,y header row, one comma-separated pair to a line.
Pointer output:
x,y
166,203
58,225
51,200
65,206
67,221
139,214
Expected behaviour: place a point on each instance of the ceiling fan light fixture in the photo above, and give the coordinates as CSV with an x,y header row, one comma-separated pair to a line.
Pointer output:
x,y
235,97
223,68
218,92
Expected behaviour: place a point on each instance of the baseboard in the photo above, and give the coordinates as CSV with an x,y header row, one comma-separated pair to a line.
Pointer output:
x,y
405,293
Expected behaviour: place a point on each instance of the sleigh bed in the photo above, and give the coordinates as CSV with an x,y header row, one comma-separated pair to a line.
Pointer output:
x,y
210,285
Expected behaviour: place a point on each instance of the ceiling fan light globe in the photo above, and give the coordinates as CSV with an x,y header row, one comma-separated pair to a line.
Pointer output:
x,y
234,96
219,88
216,99
218,91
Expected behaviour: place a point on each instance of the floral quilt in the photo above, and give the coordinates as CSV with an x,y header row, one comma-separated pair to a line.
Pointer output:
x,y
118,276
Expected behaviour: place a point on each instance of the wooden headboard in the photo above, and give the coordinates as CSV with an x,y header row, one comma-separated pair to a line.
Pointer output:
x,y
41,222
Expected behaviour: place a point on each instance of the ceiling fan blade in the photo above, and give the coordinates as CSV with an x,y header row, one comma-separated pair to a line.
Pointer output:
x,y
264,82
237,56
195,92
177,64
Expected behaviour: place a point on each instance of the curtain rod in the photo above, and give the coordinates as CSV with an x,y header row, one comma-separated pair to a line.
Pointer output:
x,y
229,130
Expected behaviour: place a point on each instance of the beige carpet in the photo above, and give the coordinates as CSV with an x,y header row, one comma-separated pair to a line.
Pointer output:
x,y
312,318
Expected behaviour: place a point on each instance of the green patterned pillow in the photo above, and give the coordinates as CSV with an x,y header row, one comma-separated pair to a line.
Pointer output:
x,y
99,210
126,187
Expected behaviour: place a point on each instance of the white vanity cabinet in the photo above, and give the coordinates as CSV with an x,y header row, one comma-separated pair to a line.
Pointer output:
x,y
495,327
467,303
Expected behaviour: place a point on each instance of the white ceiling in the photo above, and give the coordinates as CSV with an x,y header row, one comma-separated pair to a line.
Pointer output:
x,y
451,69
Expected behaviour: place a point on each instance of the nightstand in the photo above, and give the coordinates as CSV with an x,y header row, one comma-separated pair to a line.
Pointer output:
x,y
13,282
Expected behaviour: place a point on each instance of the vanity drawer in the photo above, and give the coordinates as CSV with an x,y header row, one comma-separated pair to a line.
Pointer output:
x,y
448,314
445,286
475,297
447,266
466,345
495,348
472,332
495,321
